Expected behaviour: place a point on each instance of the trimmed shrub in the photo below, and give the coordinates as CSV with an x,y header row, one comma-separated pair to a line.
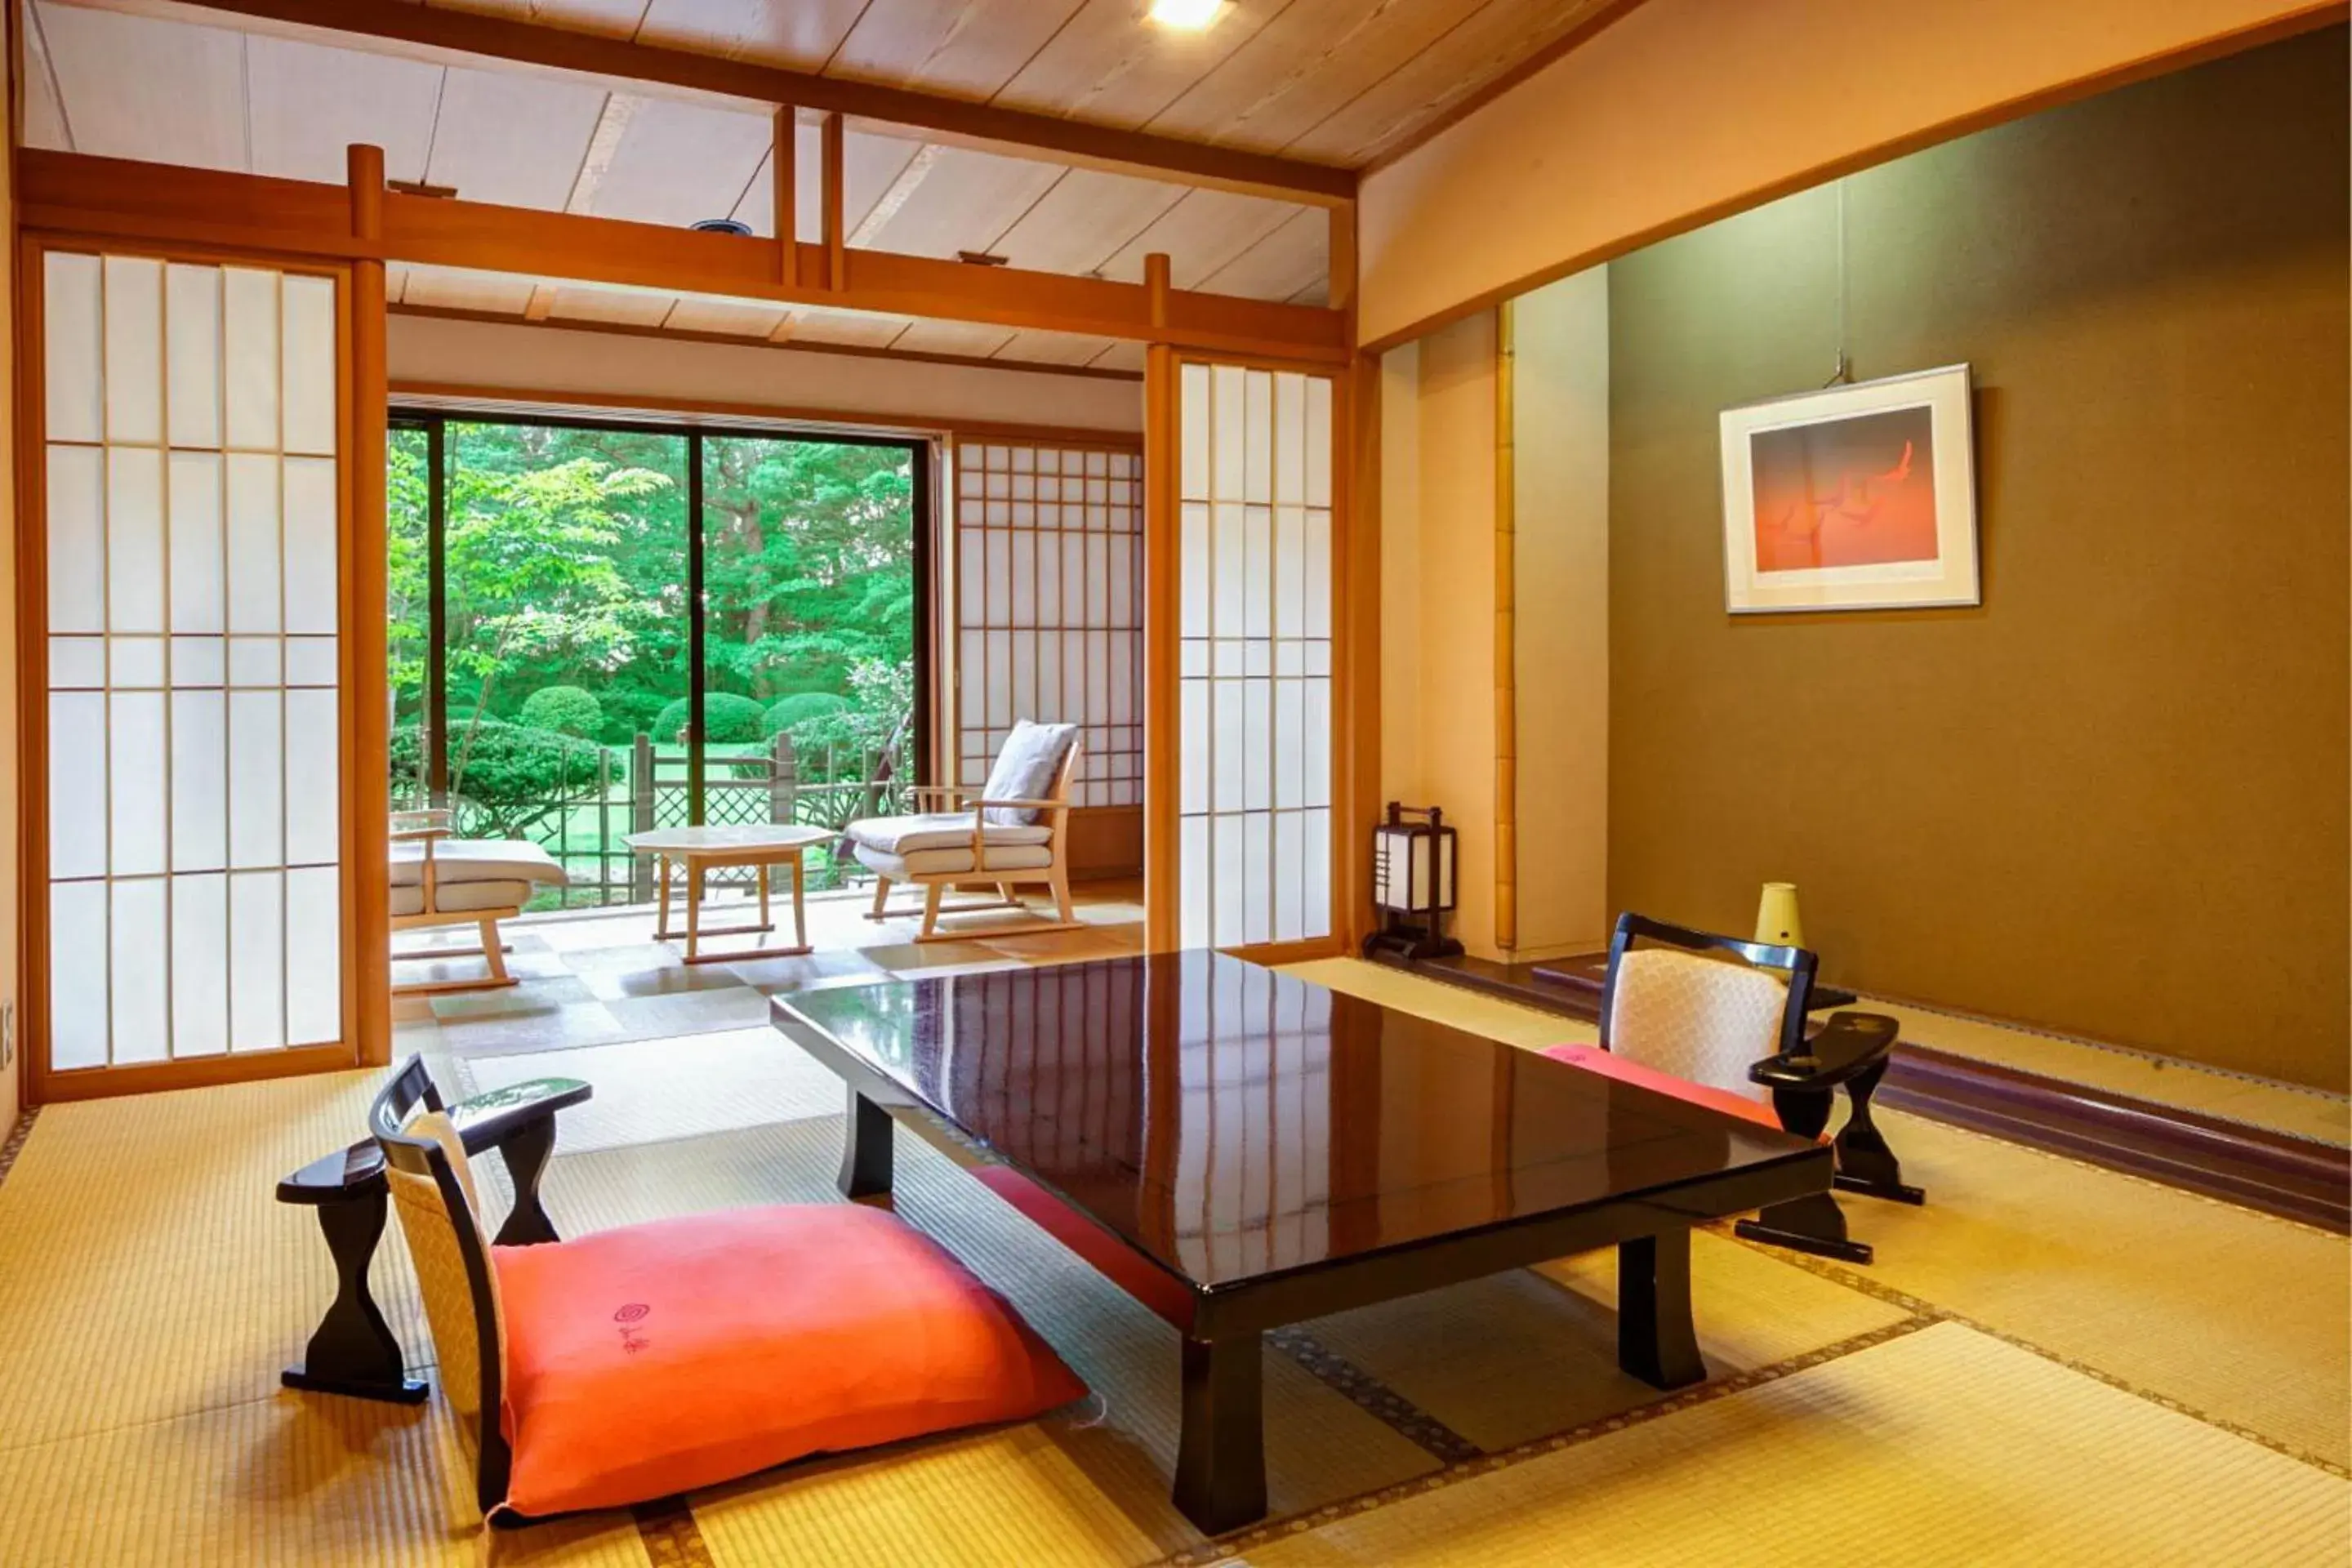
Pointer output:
x,y
629,713
511,773
727,720
791,712
566,710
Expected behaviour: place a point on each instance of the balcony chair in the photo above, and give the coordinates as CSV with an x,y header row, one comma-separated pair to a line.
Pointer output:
x,y
441,880
1011,831
1721,1031
777,1333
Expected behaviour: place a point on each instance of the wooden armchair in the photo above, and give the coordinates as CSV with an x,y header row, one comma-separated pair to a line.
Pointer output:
x,y
959,835
438,879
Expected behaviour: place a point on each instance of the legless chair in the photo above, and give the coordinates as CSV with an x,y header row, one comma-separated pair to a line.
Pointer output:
x,y
1007,833
774,1333
439,881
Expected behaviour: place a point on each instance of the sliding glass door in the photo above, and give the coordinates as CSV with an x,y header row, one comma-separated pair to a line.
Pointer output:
x,y
602,628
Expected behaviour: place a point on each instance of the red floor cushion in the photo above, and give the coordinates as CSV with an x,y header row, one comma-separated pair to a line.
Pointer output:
x,y
657,1358
1610,1064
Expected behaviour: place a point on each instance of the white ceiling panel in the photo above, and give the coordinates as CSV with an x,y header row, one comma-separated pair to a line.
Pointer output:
x,y
975,339
613,19
1052,348
679,163
1120,357
950,199
448,289
1295,257
1085,220
798,33
512,139
621,306
849,327
869,164
110,69
309,105
733,317
44,116
1200,233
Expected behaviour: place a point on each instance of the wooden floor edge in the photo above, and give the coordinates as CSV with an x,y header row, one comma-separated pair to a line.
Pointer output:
x,y
2260,1168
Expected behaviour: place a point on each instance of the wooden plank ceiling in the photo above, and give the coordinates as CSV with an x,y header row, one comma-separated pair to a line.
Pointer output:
x,y
1336,81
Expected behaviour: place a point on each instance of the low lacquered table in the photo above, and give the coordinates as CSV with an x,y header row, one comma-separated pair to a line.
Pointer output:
x,y
699,850
1261,1150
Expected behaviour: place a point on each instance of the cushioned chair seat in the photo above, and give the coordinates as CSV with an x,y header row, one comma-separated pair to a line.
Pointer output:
x,y
457,897
907,836
659,1358
931,862
474,860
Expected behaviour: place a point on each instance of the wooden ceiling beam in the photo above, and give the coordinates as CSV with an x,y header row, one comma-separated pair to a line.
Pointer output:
x,y
76,193
1017,132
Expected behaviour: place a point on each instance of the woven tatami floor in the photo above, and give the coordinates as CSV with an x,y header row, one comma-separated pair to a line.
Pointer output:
x,y
2049,1364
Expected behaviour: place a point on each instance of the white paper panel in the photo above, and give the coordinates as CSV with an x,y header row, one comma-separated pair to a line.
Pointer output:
x,y
140,976
1318,442
1319,573
1257,874
77,662
195,547
257,957
256,797
136,800
313,779
249,340
308,387
76,783
1228,893
314,969
1194,880
311,661
1194,420
71,325
310,585
1317,879
1289,438
1289,743
134,350
253,544
199,965
76,539
135,539
1289,885
1259,743
254,661
199,661
1228,441
136,663
199,781
1257,573
78,983
193,373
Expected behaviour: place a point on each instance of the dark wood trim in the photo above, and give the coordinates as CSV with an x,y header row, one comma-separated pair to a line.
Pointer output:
x,y
2326,15
2255,1167
1019,131
790,345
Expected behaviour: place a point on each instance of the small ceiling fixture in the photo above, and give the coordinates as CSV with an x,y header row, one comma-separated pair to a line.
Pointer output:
x,y
982,259
722,226
1186,16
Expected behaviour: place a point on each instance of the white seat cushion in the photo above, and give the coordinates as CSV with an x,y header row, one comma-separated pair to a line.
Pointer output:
x,y
940,830
931,862
475,861
459,898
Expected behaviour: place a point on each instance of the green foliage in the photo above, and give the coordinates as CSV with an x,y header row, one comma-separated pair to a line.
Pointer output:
x,y
505,776
566,710
836,745
727,719
798,709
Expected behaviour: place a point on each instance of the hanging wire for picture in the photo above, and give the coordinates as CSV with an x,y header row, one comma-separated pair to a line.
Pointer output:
x,y
1844,371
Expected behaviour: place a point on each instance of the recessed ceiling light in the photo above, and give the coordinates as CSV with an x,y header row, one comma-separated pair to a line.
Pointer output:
x,y
1186,16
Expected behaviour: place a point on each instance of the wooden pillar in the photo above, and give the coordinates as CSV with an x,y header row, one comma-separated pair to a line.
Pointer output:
x,y
1156,286
784,170
1507,652
837,256
366,683
1356,655
1162,466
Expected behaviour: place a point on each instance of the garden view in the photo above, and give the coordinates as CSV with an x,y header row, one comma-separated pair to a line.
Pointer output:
x,y
565,632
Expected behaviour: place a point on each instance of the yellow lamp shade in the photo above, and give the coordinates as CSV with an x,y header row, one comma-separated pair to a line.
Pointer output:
x,y
1775,916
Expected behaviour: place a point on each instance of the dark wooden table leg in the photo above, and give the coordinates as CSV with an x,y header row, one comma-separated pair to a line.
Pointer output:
x,y
1657,1340
1814,1223
1221,1456
866,1161
354,1350
525,1151
1864,1163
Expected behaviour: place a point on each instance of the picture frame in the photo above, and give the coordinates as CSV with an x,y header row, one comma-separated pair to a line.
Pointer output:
x,y
1859,497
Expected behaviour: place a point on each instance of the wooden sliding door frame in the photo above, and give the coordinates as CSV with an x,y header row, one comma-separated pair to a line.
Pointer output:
x,y
364,881
1355,650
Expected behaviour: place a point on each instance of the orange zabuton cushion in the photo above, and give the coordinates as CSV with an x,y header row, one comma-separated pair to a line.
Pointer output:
x,y
657,1358
1609,1064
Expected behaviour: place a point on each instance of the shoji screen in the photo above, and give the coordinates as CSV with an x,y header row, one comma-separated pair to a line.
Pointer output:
x,y
1049,607
1253,662
195,824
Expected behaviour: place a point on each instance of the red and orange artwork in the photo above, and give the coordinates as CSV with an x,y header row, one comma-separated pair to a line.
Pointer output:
x,y
1857,491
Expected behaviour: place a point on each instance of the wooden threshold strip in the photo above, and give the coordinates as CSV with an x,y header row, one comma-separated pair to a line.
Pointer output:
x,y
2255,1167
75,194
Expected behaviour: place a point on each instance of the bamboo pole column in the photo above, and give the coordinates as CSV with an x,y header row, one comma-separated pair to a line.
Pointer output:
x,y
1506,655
367,747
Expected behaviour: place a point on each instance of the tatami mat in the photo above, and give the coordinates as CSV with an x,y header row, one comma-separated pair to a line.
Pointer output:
x,y
650,1090
2294,1108
1940,1446
1454,1005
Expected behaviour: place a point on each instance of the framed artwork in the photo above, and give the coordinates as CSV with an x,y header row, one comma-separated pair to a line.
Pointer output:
x,y
1853,498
